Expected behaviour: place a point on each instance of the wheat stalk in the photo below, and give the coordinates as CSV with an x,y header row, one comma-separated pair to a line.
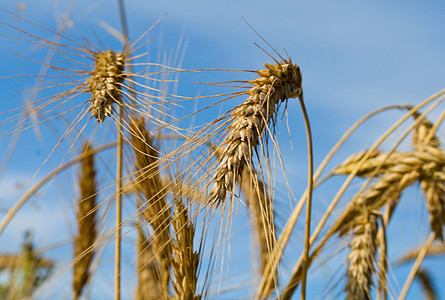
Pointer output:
x,y
276,84
86,223
361,258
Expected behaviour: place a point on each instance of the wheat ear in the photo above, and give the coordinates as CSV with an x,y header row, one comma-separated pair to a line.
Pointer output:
x,y
261,208
377,163
361,258
104,83
149,281
432,180
185,260
86,223
154,209
276,84
386,190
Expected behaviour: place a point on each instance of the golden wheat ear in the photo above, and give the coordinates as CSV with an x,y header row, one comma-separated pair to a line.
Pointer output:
x,y
361,259
276,84
148,269
154,207
432,180
86,223
185,259
104,83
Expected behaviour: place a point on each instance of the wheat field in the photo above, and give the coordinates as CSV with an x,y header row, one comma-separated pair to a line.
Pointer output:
x,y
221,151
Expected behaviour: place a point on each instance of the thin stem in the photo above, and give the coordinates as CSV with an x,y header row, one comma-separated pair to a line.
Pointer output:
x,y
117,259
119,168
309,198
416,266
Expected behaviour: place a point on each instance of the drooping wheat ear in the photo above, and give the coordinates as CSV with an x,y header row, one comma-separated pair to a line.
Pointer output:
x,y
276,84
378,162
185,260
154,207
361,258
149,281
432,181
104,83
386,190
86,223
261,209
427,283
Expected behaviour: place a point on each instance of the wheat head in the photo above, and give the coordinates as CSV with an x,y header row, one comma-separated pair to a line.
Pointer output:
x,y
104,83
185,260
276,84
86,223
361,258
154,207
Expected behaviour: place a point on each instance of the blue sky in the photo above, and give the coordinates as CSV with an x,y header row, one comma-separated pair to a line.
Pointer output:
x,y
355,56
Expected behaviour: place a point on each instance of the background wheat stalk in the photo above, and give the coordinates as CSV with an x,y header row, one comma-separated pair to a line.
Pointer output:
x,y
154,206
86,223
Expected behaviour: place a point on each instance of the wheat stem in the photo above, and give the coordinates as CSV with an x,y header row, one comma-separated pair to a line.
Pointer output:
x,y
309,198
117,262
416,266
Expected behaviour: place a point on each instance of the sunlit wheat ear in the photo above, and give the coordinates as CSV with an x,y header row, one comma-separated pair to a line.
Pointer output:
x,y
86,224
378,163
361,258
185,260
386,190
154,207
276,84
149,281
432,181
104,83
